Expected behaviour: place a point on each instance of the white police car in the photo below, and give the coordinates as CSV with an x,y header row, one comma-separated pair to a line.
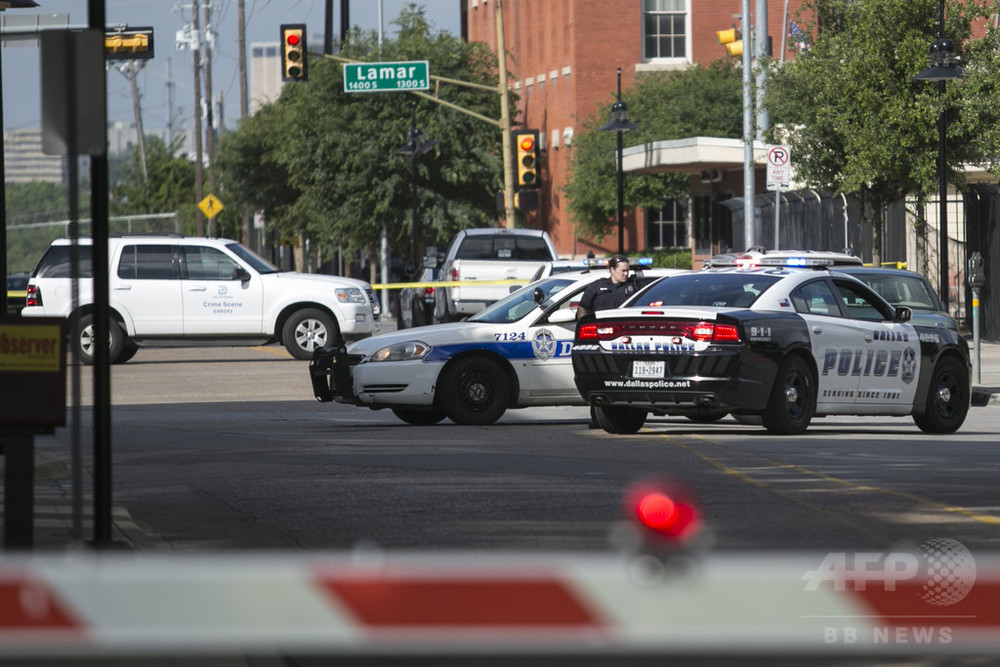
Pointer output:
x,y
513,354
773,344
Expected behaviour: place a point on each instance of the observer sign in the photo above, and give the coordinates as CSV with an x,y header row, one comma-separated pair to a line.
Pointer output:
x,y
386,77
32,372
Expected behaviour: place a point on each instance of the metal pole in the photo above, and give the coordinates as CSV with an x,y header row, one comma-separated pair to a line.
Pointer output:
x,y
777,218
508,160
621,196
943,195
749,186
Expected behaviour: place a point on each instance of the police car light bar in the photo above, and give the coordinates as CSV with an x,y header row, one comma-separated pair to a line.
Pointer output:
x,y
603,261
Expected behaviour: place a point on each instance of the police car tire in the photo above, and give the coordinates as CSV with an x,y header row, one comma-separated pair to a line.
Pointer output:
x,y
419,416
83,340
474,392
791,417
946,416
314,328
619,420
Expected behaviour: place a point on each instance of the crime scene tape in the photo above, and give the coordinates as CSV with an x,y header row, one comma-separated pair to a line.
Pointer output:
x,y
488,603
452,283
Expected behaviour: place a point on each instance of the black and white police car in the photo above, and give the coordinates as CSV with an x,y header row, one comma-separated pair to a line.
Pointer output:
x,y
513,354
771,345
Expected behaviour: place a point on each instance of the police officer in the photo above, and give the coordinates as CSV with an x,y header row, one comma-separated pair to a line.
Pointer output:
x,y
609,292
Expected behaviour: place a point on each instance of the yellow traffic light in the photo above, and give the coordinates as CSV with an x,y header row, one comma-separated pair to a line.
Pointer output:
x,y
128,44
293,52
731,40
526,158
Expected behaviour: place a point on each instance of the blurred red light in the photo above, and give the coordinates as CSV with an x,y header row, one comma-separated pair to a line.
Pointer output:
x,y
527,143
292,39
665,510
656,511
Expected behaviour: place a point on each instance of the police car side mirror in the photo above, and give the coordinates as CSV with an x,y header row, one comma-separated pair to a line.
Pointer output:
x,y
903,314
562,316
241,274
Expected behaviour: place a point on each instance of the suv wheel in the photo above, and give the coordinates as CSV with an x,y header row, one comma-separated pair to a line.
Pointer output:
x,y
84,340
308,330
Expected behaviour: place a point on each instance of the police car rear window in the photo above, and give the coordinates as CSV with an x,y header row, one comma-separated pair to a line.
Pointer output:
x,y
706,289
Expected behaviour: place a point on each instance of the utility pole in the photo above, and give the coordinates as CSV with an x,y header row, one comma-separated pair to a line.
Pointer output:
x,y
244,104
209,42
508,165
170,103
199,192
131,66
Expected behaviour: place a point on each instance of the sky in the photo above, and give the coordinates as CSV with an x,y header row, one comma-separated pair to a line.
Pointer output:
x,y
20,64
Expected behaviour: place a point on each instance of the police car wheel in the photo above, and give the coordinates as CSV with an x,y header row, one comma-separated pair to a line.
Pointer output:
x,y
793,399
625,421
418,416
947,398
474,392
308,330
84,340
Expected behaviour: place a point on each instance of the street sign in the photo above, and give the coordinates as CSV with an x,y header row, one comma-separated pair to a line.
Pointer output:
x,y
779,167
386,77
210,206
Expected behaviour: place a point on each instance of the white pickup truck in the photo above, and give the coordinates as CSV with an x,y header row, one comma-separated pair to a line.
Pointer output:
x,y
485,255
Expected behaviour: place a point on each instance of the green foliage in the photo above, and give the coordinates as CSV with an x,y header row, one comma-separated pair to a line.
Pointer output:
x,y
169,186
29,207
323,162
863,125
669,258
698,101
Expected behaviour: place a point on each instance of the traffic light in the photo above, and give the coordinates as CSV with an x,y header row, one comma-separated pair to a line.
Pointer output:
x,y
293,52
732,40
665,513
128,44
526,158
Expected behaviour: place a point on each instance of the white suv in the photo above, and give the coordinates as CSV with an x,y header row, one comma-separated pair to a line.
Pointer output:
x,y
178,290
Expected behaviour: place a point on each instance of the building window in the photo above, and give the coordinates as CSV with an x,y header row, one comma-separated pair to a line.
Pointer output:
x,y
666,227
664,29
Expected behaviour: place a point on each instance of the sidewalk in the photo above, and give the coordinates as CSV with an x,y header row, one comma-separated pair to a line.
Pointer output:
x,y
54,521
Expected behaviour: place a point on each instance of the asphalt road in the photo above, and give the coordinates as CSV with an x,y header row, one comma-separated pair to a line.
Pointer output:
x,y
227,448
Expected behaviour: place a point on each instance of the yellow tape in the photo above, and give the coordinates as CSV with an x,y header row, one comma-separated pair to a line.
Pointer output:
x,y
452,283
15,294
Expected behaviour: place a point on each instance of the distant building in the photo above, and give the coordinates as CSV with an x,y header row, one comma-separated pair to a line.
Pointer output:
x,y
265,74
24,161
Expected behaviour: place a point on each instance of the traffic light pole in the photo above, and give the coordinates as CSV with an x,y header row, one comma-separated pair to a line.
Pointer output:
x,y
508,180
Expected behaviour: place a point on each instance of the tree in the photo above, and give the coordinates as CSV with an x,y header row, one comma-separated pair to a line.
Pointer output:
x,y
168,187
323,162
856,120
698,101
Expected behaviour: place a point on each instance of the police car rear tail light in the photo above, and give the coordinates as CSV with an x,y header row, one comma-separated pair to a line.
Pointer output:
x,y
699,331
34,297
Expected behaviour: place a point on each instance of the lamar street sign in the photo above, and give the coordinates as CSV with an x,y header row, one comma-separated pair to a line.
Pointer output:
x,y
385,77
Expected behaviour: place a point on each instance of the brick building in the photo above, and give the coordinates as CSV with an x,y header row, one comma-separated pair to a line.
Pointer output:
x,y
562,62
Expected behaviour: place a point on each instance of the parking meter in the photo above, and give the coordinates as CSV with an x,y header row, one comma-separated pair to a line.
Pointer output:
x,y
977,271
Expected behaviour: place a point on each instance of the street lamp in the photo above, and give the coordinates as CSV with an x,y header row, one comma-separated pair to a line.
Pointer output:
x,y
5,4
620,123
944,67
416,145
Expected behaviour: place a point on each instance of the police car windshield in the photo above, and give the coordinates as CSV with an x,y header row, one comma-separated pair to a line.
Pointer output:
x,y
259,264
706,288
521,302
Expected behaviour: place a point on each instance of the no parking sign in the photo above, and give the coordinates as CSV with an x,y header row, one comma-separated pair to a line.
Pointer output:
x,y
779,167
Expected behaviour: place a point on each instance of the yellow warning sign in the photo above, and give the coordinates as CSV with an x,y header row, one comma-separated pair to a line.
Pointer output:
x,y
210,206
30,349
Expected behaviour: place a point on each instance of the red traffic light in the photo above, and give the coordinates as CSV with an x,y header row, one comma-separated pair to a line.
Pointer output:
x,y
527,142
664,509
293,39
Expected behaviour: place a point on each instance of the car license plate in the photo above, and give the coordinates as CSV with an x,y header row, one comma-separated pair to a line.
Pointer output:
x,y
648,369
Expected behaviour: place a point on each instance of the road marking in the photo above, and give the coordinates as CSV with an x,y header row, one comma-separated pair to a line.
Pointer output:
x,y
919,500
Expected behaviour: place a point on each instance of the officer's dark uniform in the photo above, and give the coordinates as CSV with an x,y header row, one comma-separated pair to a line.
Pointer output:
x,y
603,294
